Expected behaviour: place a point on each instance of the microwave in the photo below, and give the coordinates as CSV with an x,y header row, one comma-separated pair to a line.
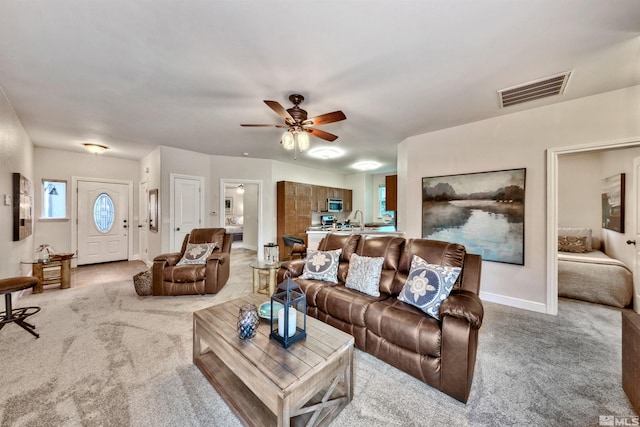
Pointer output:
x,y
334,205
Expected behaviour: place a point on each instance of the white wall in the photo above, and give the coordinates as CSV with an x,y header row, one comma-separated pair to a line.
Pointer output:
x,y
514,141
150,171
16,155
579,189
62,165
250,213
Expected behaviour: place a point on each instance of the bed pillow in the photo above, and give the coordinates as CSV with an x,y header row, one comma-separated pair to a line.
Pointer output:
x,y
428,285
322,265
197,253
578,232
364,274
572,244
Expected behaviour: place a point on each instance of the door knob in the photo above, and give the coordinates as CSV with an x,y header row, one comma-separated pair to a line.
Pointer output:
x,y
178,229
124,226
139,225
631,242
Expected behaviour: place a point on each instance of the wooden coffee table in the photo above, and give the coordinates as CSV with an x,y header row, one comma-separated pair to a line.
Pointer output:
x,y
265,384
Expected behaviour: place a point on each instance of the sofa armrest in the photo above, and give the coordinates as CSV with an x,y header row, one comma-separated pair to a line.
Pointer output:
x,y
217,271
464,305
169,259
221,257
294,268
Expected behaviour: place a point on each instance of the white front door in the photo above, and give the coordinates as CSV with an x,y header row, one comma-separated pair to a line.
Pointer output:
x,y
187,208
143,222
103,222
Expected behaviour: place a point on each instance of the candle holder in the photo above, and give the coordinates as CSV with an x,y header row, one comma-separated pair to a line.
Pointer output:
x,y
285,327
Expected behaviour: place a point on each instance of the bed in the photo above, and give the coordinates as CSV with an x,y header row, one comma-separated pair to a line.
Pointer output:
x,y
593,276
236,232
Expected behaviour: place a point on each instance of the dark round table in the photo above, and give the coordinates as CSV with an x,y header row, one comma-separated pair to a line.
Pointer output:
x,y
17,315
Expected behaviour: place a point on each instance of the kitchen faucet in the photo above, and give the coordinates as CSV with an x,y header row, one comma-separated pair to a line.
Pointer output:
x,y
355,216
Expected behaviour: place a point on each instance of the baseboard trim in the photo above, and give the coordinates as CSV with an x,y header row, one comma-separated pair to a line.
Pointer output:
x,y
514,302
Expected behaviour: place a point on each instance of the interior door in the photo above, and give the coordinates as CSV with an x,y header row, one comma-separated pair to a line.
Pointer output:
x,y
103,222
143,222
186,209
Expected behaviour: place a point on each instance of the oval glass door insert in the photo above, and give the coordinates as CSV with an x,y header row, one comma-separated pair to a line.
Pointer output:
x,y
103,213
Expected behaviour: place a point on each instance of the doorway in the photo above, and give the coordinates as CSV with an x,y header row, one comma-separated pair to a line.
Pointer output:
x,y
250,217
552,214
102,212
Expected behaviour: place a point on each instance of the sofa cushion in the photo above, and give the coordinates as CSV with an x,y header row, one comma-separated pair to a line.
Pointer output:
x,y
322,265
403,325
387,247
344,304
428,285
364,274
310,288
197,253
346,242
184,273
434,252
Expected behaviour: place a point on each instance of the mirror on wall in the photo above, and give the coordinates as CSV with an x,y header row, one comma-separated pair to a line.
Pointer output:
x,y
153,210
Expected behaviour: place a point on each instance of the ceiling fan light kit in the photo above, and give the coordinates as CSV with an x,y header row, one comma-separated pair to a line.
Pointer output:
x,y
298,126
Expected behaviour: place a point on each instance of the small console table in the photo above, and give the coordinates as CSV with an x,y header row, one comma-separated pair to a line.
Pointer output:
x,y
51,271
269,271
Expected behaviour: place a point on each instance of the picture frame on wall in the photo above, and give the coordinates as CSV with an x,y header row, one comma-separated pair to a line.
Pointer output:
x,y
484,211
228,205
22,207
613,189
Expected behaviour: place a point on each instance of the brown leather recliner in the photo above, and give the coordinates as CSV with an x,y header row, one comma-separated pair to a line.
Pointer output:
x,y
200,279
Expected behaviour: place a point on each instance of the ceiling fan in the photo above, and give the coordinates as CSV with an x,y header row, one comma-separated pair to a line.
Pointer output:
x,y
298,125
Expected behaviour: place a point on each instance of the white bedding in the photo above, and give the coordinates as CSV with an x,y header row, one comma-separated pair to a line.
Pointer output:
x,y
233,229
594,277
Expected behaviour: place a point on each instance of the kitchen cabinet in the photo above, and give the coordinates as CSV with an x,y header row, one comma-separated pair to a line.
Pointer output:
x,y
294,206
320,198
347,200
391,184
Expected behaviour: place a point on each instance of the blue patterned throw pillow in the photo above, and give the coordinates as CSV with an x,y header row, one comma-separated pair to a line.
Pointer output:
x,y
428,285
322,265
364,274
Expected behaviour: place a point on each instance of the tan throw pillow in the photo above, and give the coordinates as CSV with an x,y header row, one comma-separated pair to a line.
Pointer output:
x,y
364,274
197,253
572,244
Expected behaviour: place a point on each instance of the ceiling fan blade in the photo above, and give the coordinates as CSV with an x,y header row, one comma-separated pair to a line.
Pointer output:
x,y
279,109
323,119
322,134
263,126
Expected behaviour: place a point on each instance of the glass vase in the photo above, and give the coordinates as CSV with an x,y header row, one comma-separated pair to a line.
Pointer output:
x,y
248,321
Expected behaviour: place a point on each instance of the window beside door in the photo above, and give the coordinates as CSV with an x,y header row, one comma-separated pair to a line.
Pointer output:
x,y
54,199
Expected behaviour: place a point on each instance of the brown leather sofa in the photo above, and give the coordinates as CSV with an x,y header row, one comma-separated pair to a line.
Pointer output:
x,y
442,352
200,279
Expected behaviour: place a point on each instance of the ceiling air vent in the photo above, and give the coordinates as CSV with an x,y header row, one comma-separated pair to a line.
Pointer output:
x,y
536,89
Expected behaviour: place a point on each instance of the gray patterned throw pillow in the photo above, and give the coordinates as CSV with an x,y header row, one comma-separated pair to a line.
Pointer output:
x,y
364,274
197,253
322,265
428,285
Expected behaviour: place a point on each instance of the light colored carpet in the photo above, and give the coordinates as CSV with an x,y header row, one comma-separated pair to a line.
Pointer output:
x,y
109,357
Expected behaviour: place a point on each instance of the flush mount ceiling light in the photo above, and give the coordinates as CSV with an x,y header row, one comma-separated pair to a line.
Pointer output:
x,y
366,165
95,148
240,189
326,152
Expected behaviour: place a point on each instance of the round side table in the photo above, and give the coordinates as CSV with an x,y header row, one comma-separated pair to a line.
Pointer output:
x,y
267,284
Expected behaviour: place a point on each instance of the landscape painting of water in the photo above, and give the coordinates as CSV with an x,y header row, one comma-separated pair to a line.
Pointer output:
x,y
483,211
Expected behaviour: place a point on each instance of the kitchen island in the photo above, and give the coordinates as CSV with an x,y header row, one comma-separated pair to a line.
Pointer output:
x,y
315,234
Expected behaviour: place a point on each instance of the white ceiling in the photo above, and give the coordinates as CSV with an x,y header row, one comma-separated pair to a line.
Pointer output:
x,y
135,74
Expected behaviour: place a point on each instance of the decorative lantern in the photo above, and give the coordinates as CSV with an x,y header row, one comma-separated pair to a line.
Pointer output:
x,y
271,255
289,323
